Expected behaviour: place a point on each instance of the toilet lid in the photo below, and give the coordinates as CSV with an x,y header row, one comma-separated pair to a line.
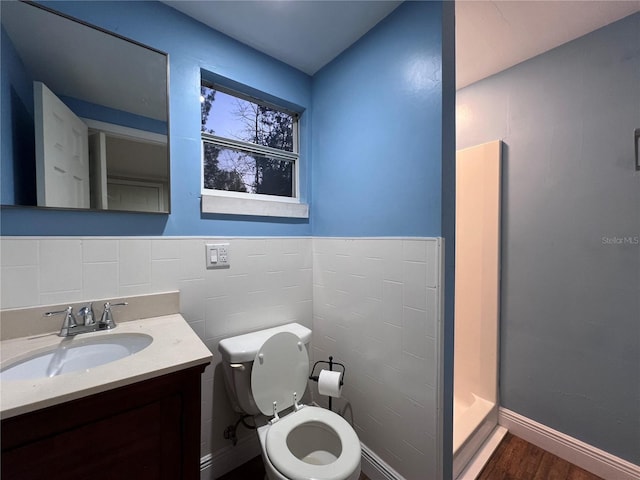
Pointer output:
x,y
280,368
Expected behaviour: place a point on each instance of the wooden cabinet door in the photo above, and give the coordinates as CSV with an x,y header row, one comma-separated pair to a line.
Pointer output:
x,y
142,444
149,430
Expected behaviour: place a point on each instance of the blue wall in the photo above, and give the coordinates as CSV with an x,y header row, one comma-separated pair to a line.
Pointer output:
x,y
376,141
570,332
377,131
17,148
191,47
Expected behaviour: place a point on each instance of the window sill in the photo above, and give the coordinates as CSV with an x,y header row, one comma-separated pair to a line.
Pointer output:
x,y
252,207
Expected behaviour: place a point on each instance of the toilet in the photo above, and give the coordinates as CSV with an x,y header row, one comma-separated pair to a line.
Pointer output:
x,y
266,373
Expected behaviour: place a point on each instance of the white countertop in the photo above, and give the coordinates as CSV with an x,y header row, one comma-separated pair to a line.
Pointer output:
x,y
175,347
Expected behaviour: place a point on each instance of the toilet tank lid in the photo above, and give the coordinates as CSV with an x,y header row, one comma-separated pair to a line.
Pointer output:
x,y
243,348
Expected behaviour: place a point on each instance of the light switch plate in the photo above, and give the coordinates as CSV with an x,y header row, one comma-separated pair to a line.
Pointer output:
x,y
217,255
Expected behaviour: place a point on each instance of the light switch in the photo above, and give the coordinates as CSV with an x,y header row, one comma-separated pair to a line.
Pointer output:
x,y
217,255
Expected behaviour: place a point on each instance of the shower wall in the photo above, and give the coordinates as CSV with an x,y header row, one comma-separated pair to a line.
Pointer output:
x,y
478,173
477,271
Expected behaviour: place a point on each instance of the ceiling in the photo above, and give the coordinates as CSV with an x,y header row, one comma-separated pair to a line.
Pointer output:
x,y
306,34
80,72
494,35
490,35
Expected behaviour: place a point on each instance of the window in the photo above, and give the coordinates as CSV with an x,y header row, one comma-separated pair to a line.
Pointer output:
x,y
249,147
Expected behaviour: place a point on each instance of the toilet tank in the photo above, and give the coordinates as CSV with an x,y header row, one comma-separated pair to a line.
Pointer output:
x,y
237,360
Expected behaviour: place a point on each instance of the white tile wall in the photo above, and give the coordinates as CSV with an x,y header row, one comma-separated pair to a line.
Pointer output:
x,y
376,309
269,283
372,303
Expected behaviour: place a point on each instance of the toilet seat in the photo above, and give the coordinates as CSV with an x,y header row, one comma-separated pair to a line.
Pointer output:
x,y
292,467
280,369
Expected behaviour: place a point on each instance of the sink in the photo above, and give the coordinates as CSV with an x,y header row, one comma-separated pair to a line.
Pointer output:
x,y
76,354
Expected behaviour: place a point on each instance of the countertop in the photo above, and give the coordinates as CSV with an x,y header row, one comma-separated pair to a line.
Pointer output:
x,y
175,347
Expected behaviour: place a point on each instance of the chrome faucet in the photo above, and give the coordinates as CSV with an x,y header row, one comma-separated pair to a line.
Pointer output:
x,y
70,327
106,321
86,313
69,323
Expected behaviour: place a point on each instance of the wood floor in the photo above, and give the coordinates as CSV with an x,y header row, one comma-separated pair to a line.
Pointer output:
x,y
514,459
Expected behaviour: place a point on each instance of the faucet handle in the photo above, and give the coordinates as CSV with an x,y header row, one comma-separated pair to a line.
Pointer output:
x,y
88,315
106,321
68,323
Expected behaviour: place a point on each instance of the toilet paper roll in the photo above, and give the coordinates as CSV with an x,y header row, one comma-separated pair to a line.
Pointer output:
x,y
329,383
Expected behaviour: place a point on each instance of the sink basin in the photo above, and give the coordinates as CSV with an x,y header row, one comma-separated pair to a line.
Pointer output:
x,y
75,354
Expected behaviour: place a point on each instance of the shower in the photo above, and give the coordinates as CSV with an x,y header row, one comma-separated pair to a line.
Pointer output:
x,y
477,297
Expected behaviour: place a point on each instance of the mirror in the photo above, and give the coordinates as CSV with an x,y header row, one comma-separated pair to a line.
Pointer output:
x,y
84,116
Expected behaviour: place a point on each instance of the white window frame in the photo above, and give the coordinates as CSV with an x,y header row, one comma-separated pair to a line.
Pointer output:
x,y
254,204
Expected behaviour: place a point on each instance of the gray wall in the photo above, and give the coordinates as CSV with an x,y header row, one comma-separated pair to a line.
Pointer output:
x,y
570,320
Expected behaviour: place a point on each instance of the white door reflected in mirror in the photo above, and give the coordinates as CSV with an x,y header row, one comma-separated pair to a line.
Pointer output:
x,y
74,156
62,152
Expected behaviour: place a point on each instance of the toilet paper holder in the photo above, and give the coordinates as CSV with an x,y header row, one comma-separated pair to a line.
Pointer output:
x,y
331,363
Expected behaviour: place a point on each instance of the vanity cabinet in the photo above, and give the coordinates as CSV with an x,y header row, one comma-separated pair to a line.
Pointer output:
x,y
149,430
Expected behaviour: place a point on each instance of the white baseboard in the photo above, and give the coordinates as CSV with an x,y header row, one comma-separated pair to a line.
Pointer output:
x,y
375,468
585,456
229,458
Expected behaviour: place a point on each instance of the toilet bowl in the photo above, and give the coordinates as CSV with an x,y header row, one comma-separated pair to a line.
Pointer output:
x,y
308,443
312,443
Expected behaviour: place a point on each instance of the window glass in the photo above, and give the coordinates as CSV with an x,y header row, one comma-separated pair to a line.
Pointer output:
x,y
234,132
235,118
236,170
